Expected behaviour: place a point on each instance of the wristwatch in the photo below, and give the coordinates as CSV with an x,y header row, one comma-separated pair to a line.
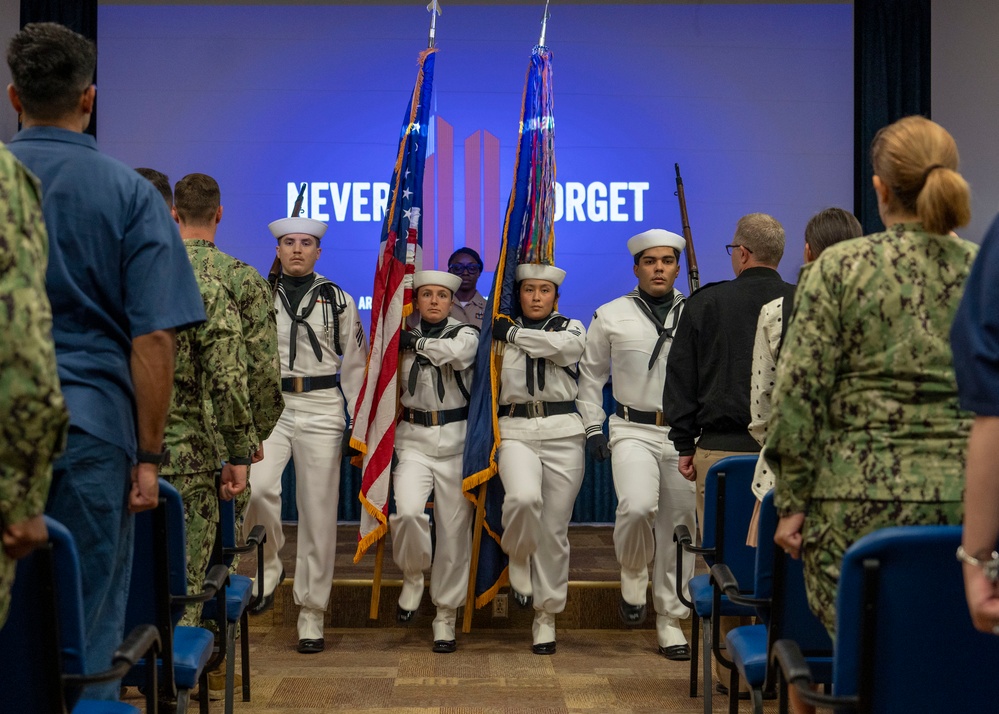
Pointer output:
x,y
990,566
149,457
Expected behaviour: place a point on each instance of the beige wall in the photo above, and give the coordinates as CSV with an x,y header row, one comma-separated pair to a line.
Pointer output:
x,y
965,77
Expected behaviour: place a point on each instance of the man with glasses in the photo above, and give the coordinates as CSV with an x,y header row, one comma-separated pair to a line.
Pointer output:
x,y
709,368
469,306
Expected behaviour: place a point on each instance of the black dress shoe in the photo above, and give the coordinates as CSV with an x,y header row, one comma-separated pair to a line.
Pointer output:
x,y
544,648
523,601
677,653
445,646
722,689
311,646
404,616
267,601
631,614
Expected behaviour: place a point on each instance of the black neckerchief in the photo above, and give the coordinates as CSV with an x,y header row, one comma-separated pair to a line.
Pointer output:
x,y
300,287
648,306
427,329
535,366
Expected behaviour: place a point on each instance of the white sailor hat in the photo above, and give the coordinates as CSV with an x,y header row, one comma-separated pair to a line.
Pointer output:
x,y
308,226
436,277
536,271
655,238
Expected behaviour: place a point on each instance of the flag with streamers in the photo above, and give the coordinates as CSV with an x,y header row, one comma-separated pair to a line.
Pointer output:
x,y
400,252
528,237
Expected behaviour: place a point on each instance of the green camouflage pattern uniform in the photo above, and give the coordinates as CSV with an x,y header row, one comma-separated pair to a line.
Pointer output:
x,y
255,303
210,365
866,430
33,416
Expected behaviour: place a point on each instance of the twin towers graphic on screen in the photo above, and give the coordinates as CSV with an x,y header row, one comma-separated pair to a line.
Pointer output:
x,y
592,202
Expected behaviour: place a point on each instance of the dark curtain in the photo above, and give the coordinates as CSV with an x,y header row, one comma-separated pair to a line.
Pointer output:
x,y
891,48
78,15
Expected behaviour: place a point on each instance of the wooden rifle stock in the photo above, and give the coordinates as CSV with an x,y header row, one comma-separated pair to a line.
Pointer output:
x,y
275,273
693,277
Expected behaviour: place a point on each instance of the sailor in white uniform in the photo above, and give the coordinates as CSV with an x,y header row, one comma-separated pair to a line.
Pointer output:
x,y
540,456
323,351
631,336
436,370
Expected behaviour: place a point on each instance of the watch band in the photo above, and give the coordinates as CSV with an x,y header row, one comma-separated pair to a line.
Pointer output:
x,y
149,457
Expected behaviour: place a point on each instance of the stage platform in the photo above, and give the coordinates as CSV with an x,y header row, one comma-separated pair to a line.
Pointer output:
x,y
592,599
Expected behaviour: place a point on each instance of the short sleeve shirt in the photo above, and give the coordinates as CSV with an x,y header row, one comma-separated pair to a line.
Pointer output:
x,y
117,270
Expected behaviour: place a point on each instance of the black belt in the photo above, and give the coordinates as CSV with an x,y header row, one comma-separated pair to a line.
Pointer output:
x,y
639,417
424,418
309,384
531,410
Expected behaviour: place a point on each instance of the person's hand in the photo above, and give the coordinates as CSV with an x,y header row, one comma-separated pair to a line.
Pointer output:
x,y
983,599
501,328
686,468
145,493
788,535
407,340
233,481
596,445
258,455
21,538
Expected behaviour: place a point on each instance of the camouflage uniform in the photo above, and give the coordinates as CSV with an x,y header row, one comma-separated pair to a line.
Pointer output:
x,y
33,416
211,365
866,430
255,304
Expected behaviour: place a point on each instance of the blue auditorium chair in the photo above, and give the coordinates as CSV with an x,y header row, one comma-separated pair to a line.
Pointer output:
x,y
904,638
728,508
41,645
158,595
779,598
239,597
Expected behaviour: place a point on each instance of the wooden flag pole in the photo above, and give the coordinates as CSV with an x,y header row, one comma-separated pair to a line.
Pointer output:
x,y
376,581
473,570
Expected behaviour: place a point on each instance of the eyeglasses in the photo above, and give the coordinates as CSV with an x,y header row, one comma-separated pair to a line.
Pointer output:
x,y
728,248
463,268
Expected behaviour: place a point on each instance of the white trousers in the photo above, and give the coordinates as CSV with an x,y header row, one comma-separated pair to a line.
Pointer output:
x,y
542,480
413,479
653,498
314,442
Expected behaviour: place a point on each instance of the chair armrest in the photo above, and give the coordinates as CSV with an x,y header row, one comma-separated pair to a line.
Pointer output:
x,y
681,536
797,672
254,541
140,640
215,581
722,577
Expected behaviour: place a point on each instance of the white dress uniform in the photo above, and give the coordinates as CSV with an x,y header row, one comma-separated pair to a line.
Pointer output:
x,y
540,460
322,340
429,441
653,498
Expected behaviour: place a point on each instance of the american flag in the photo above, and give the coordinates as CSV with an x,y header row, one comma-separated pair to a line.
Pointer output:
x,y
400,253
528,237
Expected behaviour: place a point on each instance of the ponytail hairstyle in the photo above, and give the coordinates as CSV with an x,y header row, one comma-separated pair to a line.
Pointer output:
x,y
917,160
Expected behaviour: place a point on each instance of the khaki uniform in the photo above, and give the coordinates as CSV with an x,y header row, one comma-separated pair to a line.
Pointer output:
x,y
211,364
33,416
865,401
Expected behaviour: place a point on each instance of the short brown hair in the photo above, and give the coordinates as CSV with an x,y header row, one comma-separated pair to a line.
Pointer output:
x,y
831,226
917,160
197,199
159,181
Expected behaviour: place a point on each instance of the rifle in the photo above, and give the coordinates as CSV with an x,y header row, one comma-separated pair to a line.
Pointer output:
x,y
275,273
693,277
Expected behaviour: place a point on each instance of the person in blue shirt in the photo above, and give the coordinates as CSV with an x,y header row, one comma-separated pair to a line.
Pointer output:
x,y
120,285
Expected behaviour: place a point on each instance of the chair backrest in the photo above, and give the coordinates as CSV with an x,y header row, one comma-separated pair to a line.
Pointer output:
x,y
904,638
728,509
43,637
782,579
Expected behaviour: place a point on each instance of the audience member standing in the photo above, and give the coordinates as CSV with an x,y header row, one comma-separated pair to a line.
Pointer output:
x,y
120,283
975,341
33,414
867,428
469,306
